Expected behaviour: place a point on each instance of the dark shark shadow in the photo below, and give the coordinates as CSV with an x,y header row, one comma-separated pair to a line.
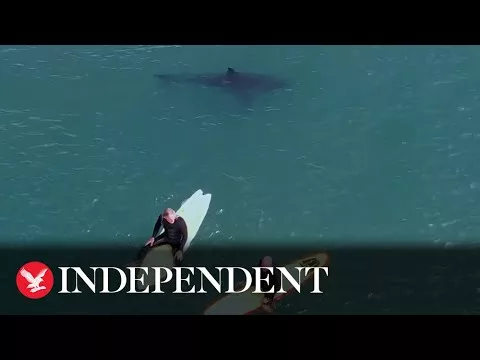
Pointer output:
x,y
244,86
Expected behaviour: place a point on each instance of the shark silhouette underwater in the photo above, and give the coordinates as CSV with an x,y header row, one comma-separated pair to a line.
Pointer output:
x,y
245,86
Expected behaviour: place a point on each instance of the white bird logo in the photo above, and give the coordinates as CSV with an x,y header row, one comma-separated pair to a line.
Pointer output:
x,y
34,281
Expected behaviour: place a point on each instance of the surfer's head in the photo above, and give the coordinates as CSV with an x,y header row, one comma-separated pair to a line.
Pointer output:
x,y
266,261
170,215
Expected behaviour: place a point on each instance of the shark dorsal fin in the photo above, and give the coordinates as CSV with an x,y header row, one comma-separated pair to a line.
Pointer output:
x,y
231,71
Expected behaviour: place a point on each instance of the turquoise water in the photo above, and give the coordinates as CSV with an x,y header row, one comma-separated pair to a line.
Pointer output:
x,y
366,145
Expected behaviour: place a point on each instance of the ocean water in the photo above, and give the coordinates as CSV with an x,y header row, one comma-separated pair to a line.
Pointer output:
x,y
367,146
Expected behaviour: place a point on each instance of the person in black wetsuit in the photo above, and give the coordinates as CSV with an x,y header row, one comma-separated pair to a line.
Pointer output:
x,y
273,282
175,235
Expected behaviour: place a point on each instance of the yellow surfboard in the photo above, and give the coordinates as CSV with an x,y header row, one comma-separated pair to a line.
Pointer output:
x,y
247,302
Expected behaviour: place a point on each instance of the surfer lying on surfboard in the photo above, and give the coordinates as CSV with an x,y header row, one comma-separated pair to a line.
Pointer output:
x,y
175,235
273,281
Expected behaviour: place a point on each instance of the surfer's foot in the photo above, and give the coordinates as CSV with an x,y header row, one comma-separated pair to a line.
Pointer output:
x,y
268,304
267,308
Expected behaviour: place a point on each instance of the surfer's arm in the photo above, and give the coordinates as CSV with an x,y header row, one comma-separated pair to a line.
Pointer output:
x,y
157,226
276,276
183,228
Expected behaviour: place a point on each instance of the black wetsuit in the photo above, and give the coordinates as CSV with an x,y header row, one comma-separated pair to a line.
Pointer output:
x,y
273,281
175,235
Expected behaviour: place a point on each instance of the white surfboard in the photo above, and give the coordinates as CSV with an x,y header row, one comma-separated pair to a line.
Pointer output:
x,y
246,303
193,210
